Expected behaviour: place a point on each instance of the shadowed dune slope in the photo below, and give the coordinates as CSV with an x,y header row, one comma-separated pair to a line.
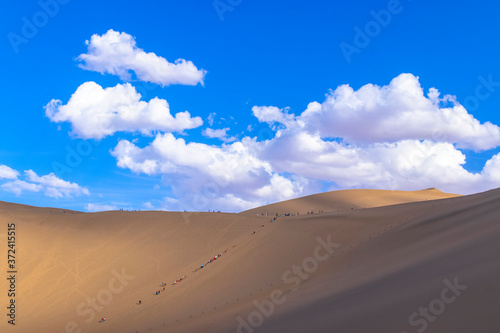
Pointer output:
x,y
365,270
347,199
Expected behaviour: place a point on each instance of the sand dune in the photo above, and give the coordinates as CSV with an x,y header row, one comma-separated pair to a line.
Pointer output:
x,y
348,199
360,270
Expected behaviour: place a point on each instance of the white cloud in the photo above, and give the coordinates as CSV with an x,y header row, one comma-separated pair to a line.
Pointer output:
x,y
51,185
391,113
272,115
91,207
55,187
390,137
228,177
7,172
404,165
95,112
211,118
117,53
280,188
220,134
18,186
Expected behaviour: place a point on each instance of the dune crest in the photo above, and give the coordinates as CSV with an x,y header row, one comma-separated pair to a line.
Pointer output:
x,y
347,199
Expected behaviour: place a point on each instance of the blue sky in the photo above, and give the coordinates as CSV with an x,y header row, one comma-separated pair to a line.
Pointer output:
x,y
254,69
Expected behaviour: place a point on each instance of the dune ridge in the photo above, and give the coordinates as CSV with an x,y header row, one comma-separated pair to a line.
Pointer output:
x,y
348,199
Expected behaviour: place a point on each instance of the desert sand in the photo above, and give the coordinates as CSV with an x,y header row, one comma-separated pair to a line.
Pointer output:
x,y
371,261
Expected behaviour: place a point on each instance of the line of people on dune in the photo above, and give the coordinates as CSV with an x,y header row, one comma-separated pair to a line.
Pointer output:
x,y
158,292
289,214
179,280
224,252
163,284
211,260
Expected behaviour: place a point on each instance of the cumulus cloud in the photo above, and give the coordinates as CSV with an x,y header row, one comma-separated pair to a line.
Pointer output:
x,y
95,112
403,165
50,184
220,134
386,137
272,115
8,173
117,53
56,187
250,173
18,186
391,113
202,176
